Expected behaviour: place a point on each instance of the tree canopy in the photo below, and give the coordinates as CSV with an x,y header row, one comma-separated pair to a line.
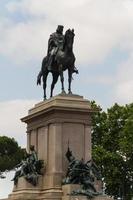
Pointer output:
x,y
10,154
112,138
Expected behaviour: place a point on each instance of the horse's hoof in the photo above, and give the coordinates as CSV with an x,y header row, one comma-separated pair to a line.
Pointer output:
x,y
63,92
69,92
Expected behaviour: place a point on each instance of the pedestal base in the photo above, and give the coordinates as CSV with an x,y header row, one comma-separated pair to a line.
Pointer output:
x,y
68,189
26,191
101,197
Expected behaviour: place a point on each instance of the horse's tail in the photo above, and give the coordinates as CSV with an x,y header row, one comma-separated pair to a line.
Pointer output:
x,y
39,78
44,61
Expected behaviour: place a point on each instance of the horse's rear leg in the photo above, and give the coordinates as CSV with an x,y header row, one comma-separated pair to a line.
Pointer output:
x,y
45,83
55,79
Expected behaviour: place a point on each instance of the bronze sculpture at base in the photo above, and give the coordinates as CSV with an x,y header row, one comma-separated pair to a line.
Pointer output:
x,y
29,168
82,173
69,188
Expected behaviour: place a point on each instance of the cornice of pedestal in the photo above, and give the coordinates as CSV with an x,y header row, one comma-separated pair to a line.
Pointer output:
x,y
62,102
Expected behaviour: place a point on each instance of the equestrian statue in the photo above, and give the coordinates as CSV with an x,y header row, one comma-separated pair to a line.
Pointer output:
x,y
60,57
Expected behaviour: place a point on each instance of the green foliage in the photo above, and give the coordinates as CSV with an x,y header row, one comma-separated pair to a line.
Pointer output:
x,y
10,153
112,138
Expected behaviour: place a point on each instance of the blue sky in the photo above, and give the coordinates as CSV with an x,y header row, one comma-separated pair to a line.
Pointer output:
x,y
103,48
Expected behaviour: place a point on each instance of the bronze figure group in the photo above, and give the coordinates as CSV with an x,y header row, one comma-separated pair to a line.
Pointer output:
x,y
30,168
82,173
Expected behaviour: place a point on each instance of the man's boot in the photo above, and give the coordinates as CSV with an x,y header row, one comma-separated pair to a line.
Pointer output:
x,y
50,60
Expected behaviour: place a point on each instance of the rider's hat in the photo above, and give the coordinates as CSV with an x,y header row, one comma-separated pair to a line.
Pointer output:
x,y
60,27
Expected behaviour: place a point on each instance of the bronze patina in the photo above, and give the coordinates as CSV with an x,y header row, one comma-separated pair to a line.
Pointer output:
x,y
60,57
82,173
29,168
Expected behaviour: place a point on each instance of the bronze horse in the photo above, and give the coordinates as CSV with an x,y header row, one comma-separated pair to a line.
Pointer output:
x,y
63,60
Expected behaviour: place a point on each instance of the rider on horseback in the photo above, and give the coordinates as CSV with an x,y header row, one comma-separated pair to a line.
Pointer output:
x,y
55,43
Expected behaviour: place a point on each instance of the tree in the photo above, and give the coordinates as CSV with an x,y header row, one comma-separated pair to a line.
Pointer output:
x,y
112,139
10,154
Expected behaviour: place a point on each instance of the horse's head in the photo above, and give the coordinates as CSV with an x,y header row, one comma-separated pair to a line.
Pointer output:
x,y
69,38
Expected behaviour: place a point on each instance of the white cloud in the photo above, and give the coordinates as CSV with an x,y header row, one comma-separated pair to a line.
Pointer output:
x,y
124,92
123,85
10,114
11,126
100,26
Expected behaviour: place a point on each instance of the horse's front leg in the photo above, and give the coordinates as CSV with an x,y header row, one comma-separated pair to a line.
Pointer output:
x,y
55,79
69,81
62,79
45,83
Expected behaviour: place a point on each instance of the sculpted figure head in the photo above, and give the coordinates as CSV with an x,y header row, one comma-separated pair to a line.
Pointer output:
x,y
60,29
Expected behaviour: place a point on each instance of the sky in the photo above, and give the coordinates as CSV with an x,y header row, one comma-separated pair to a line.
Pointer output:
x,y
103,47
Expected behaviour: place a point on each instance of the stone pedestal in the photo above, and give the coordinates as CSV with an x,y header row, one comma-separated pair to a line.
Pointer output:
x,y
50,125
67,190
